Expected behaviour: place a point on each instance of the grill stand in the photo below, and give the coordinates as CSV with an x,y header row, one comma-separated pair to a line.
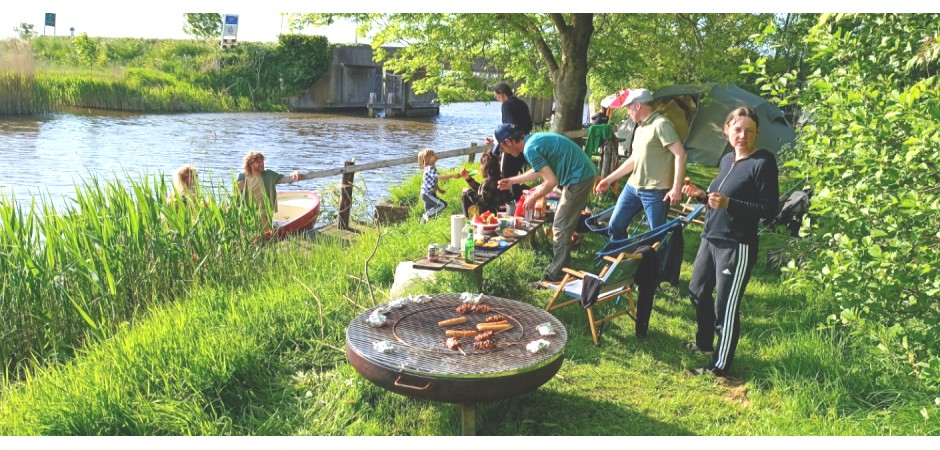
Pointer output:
x,y
468,419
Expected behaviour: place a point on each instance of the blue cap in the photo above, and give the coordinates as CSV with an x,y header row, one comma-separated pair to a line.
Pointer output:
x,y
503,131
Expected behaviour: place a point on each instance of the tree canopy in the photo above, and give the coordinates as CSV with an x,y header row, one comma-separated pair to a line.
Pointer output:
x,y
202,25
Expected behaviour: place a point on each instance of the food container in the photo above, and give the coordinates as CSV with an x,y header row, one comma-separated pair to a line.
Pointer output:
x,y
434,253
481,228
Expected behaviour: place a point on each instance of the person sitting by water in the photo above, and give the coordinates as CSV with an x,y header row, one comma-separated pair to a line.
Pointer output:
x,y
486,196
257,184
184,185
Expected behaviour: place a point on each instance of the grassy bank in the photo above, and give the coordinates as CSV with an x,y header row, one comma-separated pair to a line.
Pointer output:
x,y
48,74
267,358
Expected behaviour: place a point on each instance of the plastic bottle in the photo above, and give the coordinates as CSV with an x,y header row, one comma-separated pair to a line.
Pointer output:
x,y
540,209
469,249
520,206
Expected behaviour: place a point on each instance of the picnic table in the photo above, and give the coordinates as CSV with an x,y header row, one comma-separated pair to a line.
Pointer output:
x,y
454,261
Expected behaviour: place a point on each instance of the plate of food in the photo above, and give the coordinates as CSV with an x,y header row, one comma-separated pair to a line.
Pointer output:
x,y
512,232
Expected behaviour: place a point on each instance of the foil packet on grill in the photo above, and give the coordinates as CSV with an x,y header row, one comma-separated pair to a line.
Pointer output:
x,y
537,346
545,329
384,346
398,304
377,318
420,299
471,299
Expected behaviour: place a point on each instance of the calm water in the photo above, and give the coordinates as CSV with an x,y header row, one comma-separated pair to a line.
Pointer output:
x,y
45,156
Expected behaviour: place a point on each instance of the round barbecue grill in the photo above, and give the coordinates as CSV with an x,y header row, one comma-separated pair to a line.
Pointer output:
x,y
421,366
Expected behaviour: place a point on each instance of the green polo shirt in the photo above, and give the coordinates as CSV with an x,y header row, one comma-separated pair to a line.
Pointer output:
x,y
565,157
655,165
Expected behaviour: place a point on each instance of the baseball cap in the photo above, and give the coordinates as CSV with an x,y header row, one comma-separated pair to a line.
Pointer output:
x,y
638,96
503,132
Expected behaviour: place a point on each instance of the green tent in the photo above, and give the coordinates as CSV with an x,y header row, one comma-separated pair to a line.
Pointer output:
x,y
699,113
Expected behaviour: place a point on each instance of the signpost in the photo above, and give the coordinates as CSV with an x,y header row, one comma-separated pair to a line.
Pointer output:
x,y
229,31
50,22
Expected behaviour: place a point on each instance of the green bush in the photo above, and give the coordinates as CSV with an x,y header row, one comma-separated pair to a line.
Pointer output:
x,y
869,149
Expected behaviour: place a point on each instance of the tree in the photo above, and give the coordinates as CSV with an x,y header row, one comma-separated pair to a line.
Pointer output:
x,y
656,50
542,53
25,31
202,25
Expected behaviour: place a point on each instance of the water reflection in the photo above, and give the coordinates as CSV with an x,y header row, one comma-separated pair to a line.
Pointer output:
x,y
46,155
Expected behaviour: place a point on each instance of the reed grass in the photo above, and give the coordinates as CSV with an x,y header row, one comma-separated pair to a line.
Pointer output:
x,y
113,252
267,359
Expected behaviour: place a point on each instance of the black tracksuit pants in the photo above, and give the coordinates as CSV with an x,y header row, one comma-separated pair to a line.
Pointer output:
x,y
727,267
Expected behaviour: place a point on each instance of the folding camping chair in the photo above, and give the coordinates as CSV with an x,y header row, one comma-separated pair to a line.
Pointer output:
x,y
600,222
619,262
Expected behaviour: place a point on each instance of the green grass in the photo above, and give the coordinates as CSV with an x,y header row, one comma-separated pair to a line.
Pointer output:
x,y
267,358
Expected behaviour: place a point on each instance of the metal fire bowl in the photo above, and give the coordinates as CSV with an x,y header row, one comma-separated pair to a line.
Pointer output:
x,y
422,367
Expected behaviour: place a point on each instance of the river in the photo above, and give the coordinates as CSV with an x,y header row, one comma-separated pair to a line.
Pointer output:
x,y
45,156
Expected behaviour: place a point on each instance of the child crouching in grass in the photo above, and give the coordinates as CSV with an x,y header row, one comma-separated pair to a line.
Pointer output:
x,y
433,205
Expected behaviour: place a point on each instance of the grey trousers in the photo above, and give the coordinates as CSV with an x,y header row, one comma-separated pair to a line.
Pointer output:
x,y
572,202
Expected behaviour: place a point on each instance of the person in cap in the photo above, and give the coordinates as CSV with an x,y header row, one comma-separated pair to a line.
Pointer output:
x,y
559,162
656,167
514,111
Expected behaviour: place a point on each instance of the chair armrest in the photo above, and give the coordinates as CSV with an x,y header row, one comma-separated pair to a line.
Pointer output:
x,y
575,273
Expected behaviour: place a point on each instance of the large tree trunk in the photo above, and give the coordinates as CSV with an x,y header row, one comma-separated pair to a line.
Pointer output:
x,y
570,79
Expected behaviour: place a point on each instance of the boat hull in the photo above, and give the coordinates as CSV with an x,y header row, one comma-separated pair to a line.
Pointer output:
x,y
297,212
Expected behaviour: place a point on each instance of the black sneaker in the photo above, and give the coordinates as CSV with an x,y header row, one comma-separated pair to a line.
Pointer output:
x,y
544,282
706,371
691,346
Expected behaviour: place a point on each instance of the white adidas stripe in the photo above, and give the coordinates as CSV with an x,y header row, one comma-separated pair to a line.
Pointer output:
x,y
734,298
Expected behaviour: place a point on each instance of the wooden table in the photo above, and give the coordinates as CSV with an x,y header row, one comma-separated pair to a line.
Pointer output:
x,y
454,262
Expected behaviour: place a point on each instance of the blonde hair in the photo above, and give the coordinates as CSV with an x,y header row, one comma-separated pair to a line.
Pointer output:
x,y
250,158
184,180
424,156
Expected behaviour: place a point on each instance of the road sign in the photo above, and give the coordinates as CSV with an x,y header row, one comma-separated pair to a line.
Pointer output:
x,y
50,19
229,30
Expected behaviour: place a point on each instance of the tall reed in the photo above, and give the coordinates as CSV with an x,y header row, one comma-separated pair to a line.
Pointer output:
x,y
106,257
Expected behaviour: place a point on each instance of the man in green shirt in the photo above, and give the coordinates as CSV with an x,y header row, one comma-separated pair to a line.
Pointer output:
x,y
558,161
656,165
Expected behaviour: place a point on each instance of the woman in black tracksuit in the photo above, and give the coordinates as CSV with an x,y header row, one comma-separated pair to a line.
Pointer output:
x,y
744,191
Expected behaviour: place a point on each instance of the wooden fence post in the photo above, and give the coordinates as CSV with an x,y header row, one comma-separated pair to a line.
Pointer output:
x,y
472,156
345,197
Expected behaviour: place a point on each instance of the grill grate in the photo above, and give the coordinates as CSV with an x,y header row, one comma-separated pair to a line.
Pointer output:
x,y
420,346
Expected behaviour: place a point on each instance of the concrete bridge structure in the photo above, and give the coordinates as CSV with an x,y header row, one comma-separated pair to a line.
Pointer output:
x,y
355,82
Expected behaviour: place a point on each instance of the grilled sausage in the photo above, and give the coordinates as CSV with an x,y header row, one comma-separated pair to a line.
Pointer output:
x,y
461,333
495,318
493,327
481,308
452,322
484,345
464,308
483,336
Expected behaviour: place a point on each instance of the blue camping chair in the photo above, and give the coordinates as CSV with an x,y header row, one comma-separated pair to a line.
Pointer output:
x,y
600,222
618,263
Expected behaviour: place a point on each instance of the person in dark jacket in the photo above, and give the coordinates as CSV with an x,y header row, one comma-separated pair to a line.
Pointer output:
x,y
516,112
745,191
486,196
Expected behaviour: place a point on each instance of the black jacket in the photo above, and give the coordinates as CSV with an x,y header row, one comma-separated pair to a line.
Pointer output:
x,y
752,188
516,112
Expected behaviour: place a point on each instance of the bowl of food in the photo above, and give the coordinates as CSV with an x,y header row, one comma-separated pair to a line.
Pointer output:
x,y
485,223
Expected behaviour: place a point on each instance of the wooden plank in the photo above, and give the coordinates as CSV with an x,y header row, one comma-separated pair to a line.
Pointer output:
x,y
390,162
